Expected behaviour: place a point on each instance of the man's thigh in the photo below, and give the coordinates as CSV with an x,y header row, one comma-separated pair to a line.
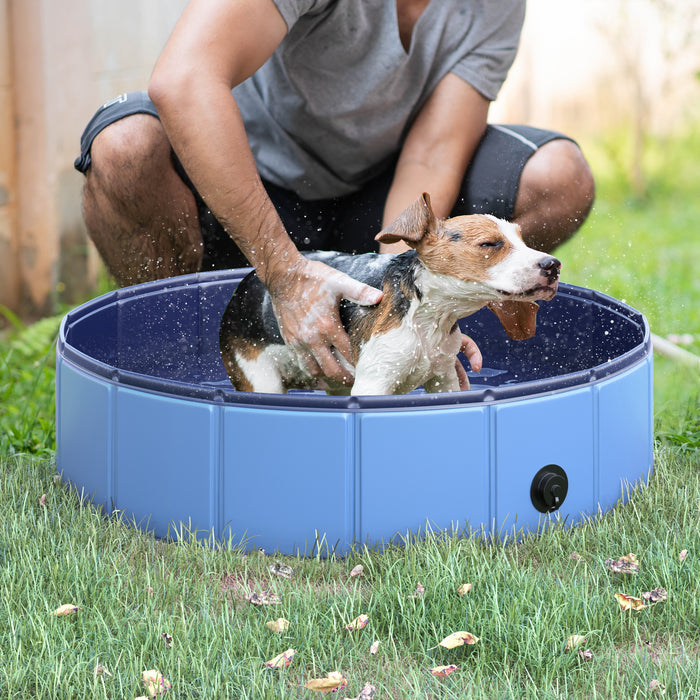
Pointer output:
x,y
491,183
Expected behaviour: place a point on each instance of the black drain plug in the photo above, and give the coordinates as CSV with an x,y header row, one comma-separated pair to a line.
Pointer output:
x,y
549,488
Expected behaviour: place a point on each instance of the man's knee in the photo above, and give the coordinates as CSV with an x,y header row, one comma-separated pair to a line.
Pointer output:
x,y
129,149
559,171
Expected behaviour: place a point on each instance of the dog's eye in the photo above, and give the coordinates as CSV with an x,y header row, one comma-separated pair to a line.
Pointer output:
x,y
491,244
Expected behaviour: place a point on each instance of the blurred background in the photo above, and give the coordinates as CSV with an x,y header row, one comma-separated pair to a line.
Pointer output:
x,y
620,76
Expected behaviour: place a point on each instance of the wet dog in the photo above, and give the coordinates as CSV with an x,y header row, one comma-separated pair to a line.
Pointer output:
x,y
411,338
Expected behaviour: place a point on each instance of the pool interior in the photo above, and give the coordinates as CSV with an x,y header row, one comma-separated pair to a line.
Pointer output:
x,y
170,332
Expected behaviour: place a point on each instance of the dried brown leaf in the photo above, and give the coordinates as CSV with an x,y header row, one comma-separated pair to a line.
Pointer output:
x,y
155,683
281,660
628,602
442,671
360,622
656,595
67,609
333,682
264,598
420,590
279,625
624,565
457,639
281,570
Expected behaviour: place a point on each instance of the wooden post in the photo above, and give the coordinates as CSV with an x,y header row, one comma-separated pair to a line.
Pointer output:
x,y
9,280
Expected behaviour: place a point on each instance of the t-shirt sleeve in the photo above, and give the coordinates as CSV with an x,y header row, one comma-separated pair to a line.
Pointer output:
x,y
291,10
486,64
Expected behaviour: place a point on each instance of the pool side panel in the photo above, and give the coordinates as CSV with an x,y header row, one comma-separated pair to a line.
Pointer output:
x,y
163,455
422,469
556,429
626,440
285,479
84,432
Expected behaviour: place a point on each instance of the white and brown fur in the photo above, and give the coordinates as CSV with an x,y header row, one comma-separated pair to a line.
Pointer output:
x,y
411,337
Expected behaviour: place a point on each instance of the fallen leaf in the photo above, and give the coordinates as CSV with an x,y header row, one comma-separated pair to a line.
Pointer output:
x,y
420,590
279,625
358,623
263,598
575,640
149,590
155,683
442,671
624,565
281,570
367,693
585,654
333,682
168,639
464,589
628,602
358,570
656,687
575,556
67,609
374,648
281,660
101,670
457,639
42,500
657,595
683,554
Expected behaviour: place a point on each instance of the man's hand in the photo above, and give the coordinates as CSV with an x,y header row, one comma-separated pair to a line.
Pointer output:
x,y
471,350
305,301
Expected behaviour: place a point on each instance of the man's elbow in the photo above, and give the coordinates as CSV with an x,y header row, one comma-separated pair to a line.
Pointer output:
x,y
169,85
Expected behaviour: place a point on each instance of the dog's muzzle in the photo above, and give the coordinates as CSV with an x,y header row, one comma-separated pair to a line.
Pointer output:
x,y
549,268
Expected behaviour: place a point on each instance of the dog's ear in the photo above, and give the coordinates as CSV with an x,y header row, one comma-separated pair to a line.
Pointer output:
x,y
518,318
412,225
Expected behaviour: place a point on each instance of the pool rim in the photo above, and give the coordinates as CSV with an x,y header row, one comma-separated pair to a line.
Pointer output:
x,y
486,395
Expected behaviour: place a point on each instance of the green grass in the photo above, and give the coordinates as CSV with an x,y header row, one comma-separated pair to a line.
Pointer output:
x,y
644,251
528,596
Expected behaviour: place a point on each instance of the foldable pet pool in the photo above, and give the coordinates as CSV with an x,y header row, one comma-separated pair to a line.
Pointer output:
x,y
148,423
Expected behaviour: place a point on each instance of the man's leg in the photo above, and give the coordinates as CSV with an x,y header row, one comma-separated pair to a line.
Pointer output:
x,y
555,194
535,177
138,211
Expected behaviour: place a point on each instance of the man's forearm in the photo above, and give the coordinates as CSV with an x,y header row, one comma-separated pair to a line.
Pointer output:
x,y
438,148
208,135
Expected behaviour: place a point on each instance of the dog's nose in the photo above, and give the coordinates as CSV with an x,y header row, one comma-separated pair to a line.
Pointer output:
x,y
549,267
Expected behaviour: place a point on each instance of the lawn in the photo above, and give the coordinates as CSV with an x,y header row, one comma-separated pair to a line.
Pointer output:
x,y
527,597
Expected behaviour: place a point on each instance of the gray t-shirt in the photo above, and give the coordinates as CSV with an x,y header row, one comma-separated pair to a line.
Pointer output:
x,y
331,107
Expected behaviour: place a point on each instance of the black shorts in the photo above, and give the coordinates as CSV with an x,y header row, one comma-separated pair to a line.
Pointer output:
x,y
348,223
